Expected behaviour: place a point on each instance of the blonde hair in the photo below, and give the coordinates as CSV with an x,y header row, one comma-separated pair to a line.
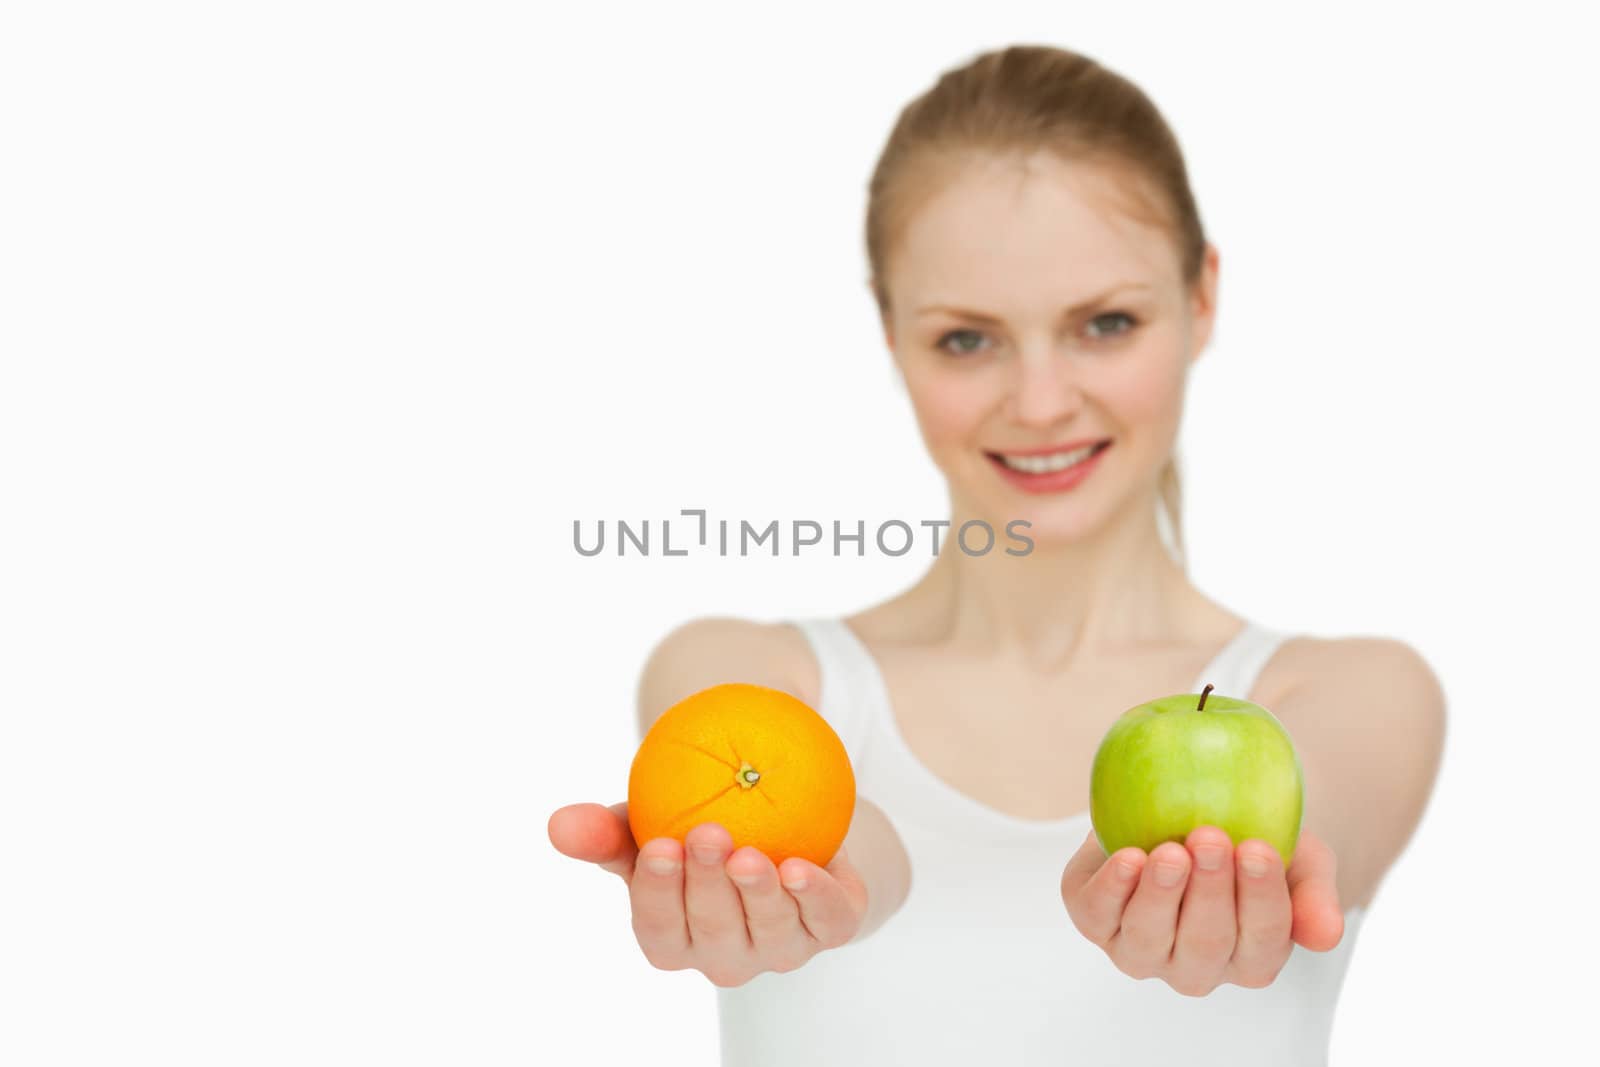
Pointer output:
x,y
1018,100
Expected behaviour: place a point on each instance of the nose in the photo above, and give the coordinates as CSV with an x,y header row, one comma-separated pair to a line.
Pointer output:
x,y
1046,390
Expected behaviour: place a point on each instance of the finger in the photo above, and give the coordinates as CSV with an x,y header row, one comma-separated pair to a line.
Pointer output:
x,y
595,834
1142,946
655,893
1208,918
711,901
1314,894
1265,916
770,913
832,900
1096,887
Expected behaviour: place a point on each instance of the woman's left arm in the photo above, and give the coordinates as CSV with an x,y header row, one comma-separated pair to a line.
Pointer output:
x,y
1368,723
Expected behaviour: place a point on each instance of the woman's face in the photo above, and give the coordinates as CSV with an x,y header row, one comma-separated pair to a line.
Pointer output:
x,y
1027,313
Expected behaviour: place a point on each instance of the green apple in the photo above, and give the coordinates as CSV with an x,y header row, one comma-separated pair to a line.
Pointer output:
x,y
1168,766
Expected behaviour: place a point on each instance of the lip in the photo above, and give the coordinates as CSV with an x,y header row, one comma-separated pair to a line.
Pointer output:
x,y
1050,450
1053,482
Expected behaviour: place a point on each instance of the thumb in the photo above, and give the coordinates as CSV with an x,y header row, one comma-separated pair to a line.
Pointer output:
x,y
1083,865
595,834
845,872
1314,894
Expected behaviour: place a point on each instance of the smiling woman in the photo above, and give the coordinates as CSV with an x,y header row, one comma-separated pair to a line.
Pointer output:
x,y
1000,343
1044,287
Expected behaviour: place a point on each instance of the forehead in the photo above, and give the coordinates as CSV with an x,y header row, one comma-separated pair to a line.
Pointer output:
x,y
1007,231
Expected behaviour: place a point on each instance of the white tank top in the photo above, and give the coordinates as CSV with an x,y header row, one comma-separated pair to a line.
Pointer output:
x,y
982,963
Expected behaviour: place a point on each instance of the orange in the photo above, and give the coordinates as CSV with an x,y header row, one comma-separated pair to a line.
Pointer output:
x,y
759,761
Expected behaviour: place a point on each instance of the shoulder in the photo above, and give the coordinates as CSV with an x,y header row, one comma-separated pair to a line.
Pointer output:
x,y
1377,678
710,650
1368,717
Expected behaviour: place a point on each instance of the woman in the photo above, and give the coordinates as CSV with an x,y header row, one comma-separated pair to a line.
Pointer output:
x,y
1045,286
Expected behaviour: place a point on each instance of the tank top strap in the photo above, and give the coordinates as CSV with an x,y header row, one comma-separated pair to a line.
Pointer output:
x,y
1234,670
852,693
849,681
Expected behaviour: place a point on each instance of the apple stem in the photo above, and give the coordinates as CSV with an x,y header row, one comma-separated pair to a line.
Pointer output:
x,y
1202,706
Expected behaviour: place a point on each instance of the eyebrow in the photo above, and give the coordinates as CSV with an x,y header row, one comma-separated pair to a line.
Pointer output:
x,y
1075,309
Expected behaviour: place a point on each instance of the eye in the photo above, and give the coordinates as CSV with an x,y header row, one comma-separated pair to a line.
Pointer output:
x,y
965,342
1131,321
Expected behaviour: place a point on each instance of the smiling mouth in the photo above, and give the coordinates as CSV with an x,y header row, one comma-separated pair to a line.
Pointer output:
x,y
1048,464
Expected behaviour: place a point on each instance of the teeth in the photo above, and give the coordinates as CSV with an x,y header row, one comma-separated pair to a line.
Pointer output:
x,y
1046,464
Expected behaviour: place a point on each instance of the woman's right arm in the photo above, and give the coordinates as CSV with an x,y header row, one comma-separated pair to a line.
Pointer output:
x,y
700,915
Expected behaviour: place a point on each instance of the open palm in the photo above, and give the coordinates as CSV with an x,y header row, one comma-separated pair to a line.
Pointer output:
x,y
1204,913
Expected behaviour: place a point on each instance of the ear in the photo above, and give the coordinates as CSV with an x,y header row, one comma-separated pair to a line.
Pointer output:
x,y
883,316
896,372
1203,301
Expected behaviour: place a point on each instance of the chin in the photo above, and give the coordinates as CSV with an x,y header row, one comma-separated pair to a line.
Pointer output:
x,y
1053,531
1047,522
1052,519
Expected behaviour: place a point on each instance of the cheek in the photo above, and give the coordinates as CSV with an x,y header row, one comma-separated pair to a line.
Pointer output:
x,y
1146,390
950,408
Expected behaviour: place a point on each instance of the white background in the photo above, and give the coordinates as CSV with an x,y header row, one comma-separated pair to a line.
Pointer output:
x,y
323,322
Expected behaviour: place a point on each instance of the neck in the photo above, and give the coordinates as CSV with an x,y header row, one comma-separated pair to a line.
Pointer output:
x,y
1064,603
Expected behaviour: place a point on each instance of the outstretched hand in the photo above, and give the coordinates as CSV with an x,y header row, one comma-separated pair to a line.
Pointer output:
x,y
1204,913
729,913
